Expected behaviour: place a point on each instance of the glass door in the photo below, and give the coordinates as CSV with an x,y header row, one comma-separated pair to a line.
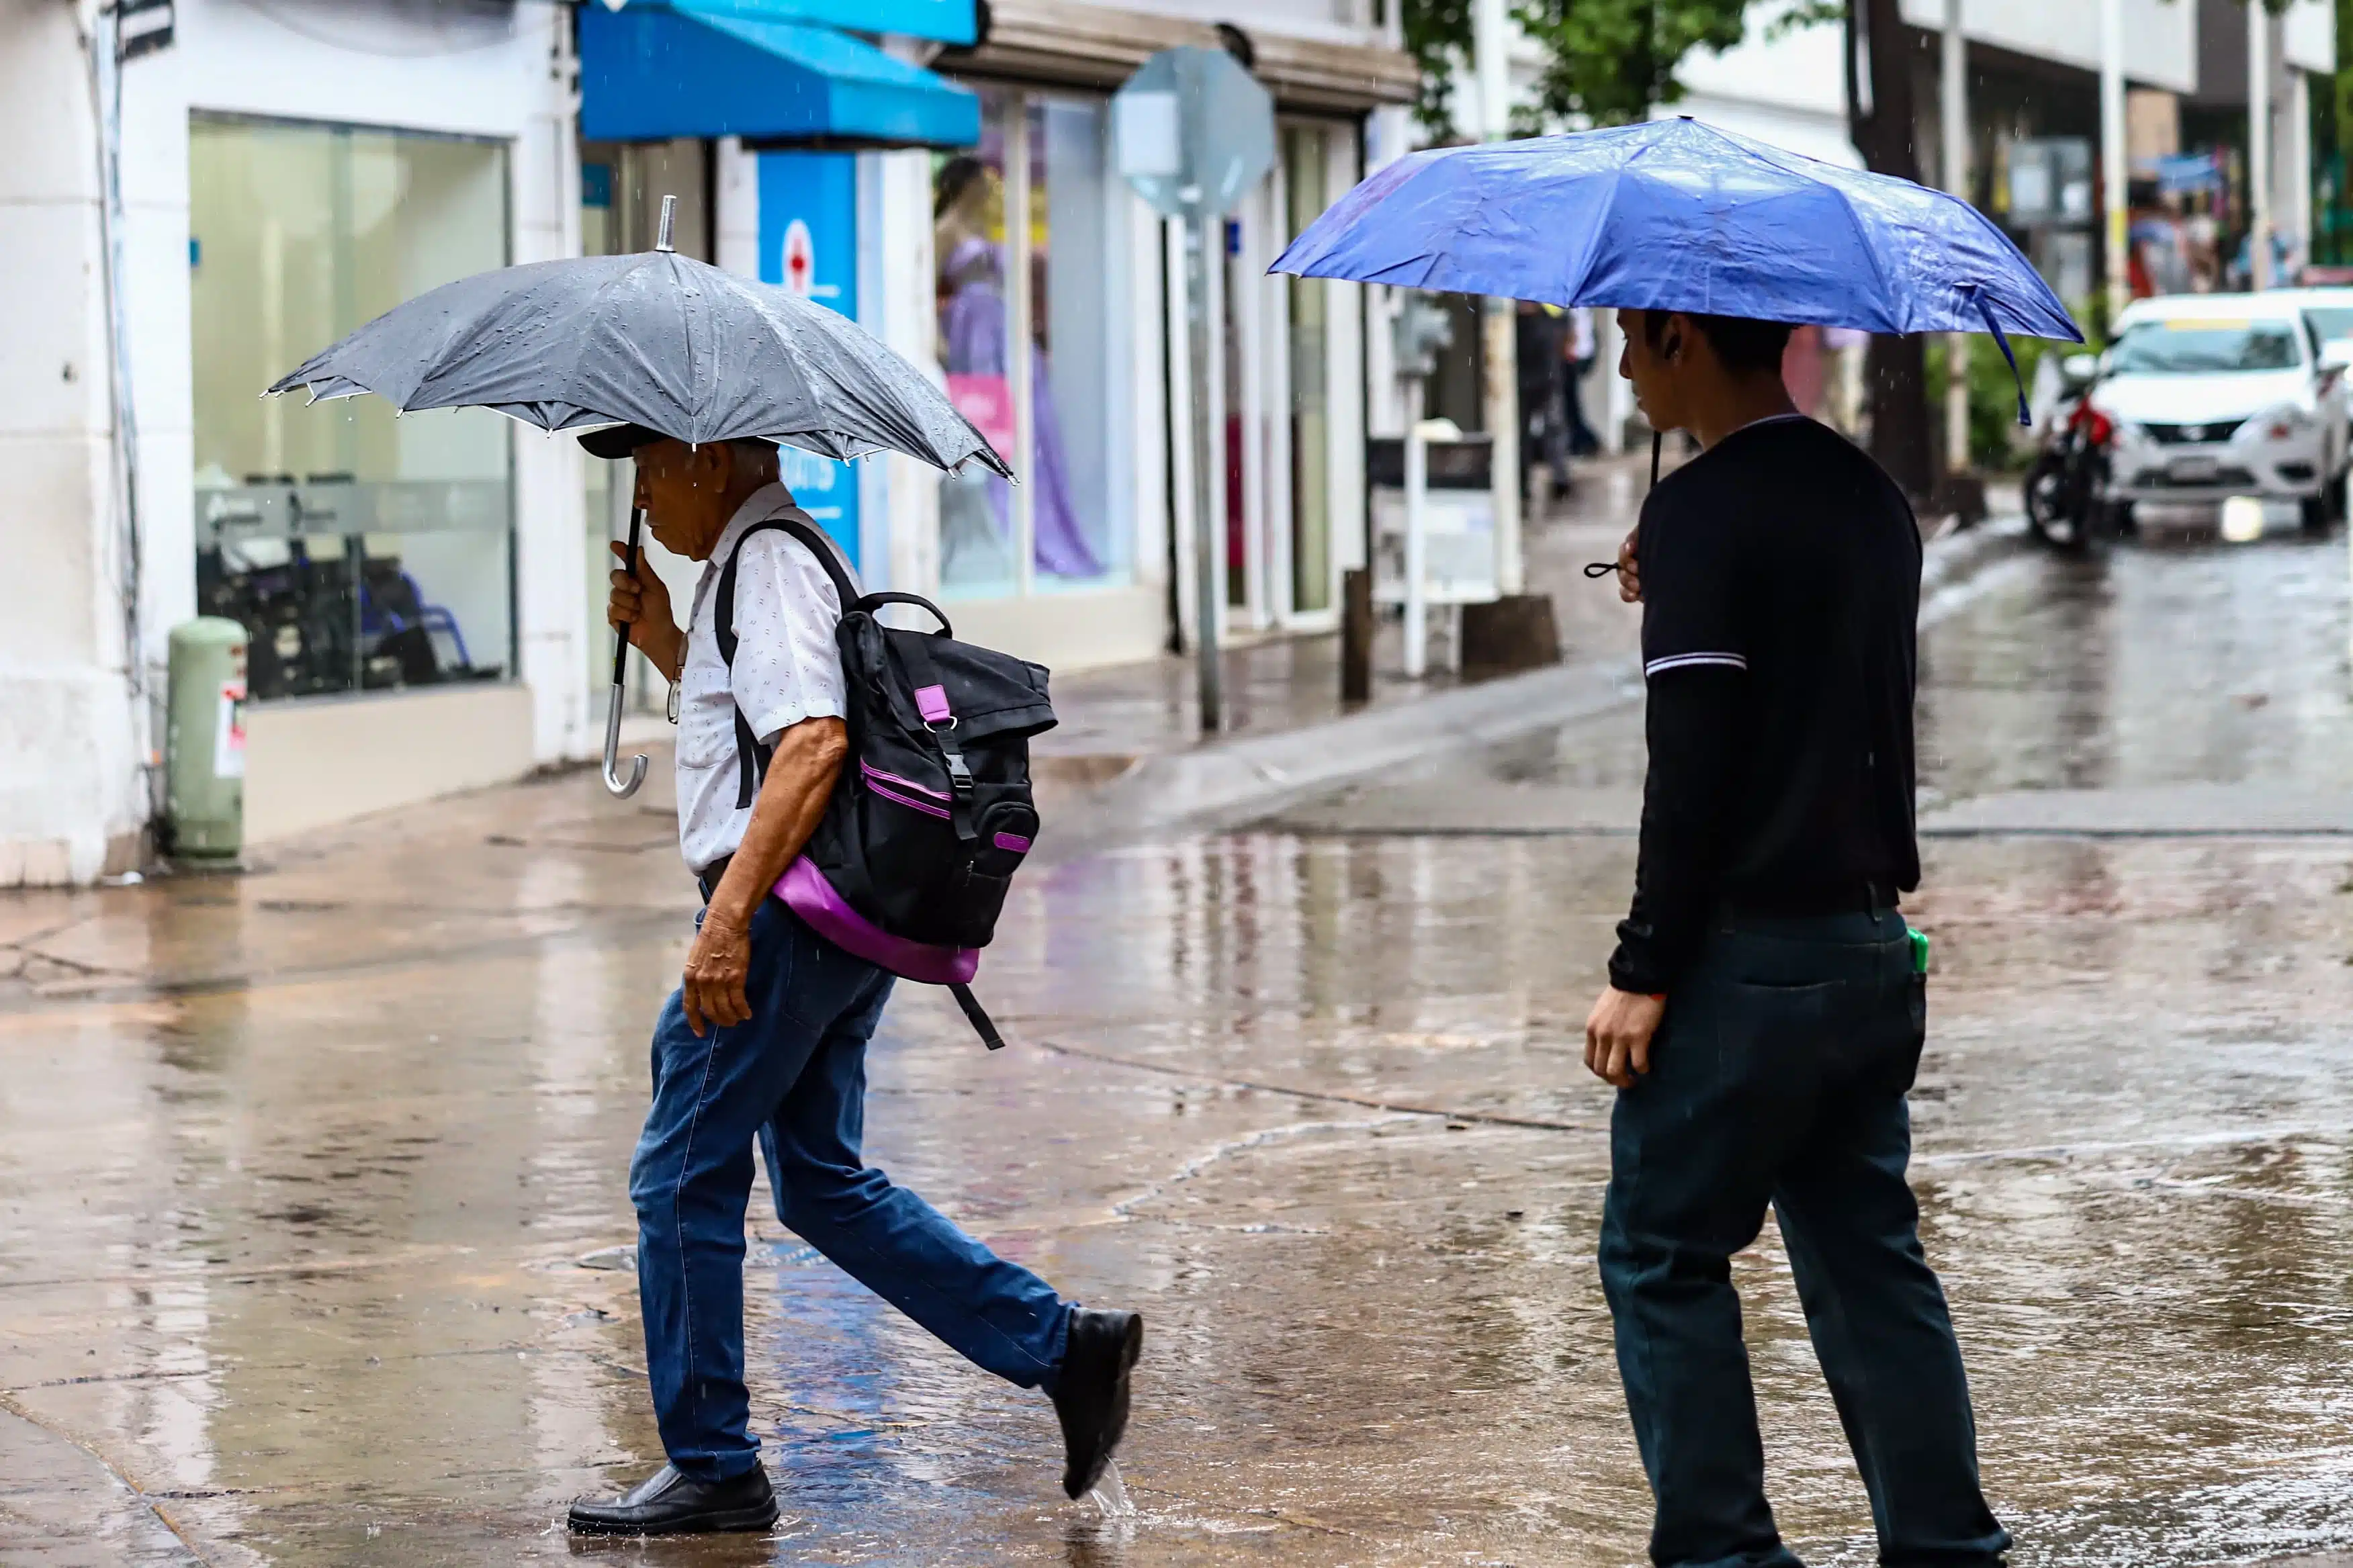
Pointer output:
x,y
1306,171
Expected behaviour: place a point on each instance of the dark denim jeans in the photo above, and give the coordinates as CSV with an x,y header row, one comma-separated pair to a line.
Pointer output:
x,y
794,1077
1780,1075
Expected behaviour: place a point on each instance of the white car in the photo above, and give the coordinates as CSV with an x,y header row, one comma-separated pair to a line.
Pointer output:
x,y
2215,396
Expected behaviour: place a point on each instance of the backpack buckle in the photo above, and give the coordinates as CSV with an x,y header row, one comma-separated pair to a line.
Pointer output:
x,y
959,775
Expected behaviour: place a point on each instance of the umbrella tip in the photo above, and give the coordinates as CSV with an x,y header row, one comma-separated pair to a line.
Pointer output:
x,y
668,216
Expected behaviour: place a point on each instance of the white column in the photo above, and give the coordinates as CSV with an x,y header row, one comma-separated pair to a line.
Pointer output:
x,y
907,319
735,184
2115,172
2259,143
70,781
2299,160
1956,105
1491,37
551,520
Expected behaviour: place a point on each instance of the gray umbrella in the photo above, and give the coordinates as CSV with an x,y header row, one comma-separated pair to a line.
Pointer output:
x,y
657,340
654,339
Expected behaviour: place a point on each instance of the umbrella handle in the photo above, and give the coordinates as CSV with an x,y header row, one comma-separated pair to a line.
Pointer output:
x,y
622,788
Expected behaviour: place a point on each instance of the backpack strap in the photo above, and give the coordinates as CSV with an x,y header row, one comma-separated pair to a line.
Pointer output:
x,y
977,1017
939,717
751,756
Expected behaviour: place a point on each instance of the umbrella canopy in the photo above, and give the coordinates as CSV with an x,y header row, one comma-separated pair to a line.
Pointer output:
x,y
1677,215
653,339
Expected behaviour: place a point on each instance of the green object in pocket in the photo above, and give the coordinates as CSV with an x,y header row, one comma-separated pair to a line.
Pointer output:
x,y
1919,950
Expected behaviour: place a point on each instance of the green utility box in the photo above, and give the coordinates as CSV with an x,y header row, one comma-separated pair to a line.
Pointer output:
x,y
204,740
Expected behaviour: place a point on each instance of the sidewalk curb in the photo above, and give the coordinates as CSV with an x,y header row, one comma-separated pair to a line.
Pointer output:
x,y
1230,782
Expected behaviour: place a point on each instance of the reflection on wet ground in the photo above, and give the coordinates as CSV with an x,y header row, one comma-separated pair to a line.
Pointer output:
x,y
298,1173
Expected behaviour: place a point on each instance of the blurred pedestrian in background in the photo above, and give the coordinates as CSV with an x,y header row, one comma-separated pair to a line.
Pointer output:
x,y
1541,347
1582,441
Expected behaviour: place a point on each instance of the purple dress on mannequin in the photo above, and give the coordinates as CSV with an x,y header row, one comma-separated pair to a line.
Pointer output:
x,y
973,327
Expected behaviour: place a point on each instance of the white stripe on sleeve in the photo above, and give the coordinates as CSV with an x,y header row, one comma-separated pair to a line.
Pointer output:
x,y
1688,660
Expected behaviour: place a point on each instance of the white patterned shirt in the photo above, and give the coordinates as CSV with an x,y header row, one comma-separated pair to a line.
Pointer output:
x,y
787,668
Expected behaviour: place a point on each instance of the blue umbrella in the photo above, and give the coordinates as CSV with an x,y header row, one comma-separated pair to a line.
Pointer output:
x,y
1677,215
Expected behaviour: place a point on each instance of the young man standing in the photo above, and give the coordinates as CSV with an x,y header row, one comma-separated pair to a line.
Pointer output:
x,y
765,1037
1764,1015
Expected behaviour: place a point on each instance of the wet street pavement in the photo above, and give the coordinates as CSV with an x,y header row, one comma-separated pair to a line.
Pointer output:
x,y
314,1225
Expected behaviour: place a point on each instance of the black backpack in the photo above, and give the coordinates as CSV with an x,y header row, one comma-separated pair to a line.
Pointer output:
x,y
908,868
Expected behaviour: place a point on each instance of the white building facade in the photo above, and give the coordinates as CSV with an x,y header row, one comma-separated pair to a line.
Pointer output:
x,y
423,594
285,170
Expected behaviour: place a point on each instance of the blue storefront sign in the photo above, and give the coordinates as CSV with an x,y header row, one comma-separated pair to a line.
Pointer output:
x,y
808,243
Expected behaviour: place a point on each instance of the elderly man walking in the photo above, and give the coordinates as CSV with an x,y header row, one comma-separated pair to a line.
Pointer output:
x,y
765,1037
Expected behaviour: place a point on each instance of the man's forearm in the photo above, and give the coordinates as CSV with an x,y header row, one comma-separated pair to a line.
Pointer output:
x,y
1692,728
791,801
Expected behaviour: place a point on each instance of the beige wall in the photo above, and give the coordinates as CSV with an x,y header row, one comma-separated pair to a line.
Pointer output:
x,y
309,764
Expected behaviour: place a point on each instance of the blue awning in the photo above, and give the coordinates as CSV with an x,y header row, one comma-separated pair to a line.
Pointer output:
x,y
944,21
660,69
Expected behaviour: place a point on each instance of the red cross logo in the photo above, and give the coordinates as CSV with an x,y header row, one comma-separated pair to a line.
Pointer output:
x,y
800,259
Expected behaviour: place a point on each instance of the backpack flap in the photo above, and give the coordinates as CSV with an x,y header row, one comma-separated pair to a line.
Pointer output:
x,y
986,694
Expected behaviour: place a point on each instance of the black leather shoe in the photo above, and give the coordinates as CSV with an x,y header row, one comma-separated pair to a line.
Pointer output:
x,y
672,1504
1091,1393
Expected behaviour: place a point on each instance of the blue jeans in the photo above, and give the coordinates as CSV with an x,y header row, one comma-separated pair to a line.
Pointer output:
x,y
794,1078
1778,1075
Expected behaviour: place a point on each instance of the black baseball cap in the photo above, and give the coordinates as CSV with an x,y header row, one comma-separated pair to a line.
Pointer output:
x,y
617,441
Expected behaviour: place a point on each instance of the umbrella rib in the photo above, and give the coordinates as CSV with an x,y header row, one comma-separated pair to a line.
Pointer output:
x,y
581,340
785,341
1870,251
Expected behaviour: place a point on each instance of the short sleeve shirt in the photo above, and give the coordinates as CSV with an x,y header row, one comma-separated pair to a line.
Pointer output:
x,y
787,668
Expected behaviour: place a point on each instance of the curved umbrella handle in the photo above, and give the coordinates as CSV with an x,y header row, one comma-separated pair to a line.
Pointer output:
x,y
622,788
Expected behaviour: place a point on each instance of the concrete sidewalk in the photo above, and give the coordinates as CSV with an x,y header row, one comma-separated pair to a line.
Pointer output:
x,y
1278,683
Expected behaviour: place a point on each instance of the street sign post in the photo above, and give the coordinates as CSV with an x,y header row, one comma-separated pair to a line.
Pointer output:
x,y
1193,132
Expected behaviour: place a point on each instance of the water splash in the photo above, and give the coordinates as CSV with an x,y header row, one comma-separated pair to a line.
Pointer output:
x,y
1110,1494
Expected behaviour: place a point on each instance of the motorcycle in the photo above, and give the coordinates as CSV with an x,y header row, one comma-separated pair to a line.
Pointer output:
x,y
2062,486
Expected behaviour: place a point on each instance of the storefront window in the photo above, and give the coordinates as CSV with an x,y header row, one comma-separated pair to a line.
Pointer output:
x,y
1029,240
361,550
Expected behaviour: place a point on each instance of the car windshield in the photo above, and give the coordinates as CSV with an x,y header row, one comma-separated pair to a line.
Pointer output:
x,y
2332,322
2203,347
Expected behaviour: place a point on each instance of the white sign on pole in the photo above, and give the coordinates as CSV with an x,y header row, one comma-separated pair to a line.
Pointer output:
x,y
1193,130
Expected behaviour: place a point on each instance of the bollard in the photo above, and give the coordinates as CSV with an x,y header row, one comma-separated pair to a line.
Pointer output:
x,y
204,740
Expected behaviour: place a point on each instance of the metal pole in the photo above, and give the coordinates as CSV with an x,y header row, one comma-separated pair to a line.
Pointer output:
x,y
1417,552
1955,106
2114,171
1205,536
1491,47
2259,145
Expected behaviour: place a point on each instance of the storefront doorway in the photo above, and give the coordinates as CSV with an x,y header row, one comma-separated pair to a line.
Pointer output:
x,y
1290,390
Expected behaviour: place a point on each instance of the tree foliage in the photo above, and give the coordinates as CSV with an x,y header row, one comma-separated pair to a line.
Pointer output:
x,y
1611,60
1607,62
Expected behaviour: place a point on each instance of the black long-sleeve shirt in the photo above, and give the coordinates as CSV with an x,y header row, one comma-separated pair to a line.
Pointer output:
x,y
1781,592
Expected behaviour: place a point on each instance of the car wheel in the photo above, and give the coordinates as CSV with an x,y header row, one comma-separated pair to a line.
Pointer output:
x,y
2120,519
2319,513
